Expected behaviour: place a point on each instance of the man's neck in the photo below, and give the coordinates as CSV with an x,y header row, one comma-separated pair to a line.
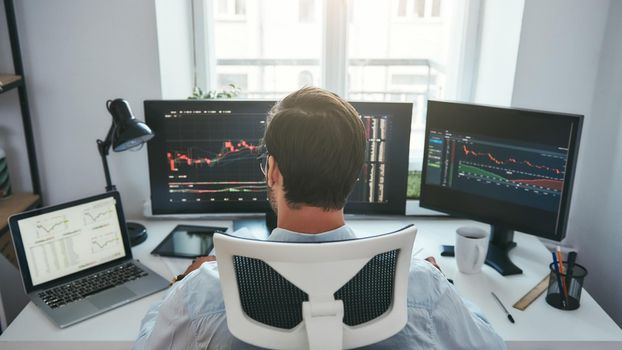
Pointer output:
x,y
309,219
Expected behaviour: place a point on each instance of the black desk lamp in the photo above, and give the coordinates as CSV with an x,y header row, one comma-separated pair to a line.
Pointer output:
x,y
125,132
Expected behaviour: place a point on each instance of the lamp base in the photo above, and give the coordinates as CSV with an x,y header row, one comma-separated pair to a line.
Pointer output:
x,y
136,232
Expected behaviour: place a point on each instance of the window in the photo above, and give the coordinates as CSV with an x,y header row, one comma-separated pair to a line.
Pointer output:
x,y
402,81
398,61
230,9
419,8
407,9
239,80
390,51
436,8
306,11
274,51
305,78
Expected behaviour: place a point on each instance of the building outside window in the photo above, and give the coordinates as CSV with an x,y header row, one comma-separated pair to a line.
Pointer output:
x,y
230,9
306,11
412,9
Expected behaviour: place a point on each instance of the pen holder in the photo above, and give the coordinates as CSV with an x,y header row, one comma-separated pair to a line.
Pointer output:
x,y
573,283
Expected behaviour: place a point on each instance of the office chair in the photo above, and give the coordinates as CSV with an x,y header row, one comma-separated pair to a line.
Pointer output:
x,y
320,295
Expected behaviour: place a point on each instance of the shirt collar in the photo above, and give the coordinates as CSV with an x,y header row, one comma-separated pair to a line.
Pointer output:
x,y
339,234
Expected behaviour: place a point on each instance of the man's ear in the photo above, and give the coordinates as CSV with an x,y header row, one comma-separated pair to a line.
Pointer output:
x,y
274,173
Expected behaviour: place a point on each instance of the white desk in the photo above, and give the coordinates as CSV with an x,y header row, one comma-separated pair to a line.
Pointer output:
x,y
539,327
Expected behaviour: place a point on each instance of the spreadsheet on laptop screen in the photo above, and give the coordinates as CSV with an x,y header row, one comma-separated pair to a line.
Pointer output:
x,y
73,239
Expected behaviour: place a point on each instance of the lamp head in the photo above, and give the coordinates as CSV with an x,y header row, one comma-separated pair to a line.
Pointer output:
x,y
128,131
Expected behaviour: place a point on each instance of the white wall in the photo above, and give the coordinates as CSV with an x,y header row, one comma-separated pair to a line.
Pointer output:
x,y
77,55
175,48
598,205
569,60
499,41
559,53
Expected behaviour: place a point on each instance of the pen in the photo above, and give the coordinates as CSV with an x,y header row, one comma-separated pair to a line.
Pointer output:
x,y
559,280
503,307
562,271
572,258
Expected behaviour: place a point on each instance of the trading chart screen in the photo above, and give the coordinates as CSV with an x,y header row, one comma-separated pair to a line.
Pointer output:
x,y
511,171
502,166
204,156
370,186
213,156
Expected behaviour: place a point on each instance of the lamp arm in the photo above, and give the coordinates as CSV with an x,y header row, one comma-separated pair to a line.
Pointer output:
x,y
104,147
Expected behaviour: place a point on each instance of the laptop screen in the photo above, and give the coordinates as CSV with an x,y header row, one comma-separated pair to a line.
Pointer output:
x,y
72,239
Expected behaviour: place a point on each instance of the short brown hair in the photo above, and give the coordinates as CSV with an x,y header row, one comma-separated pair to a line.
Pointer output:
x,y
318,141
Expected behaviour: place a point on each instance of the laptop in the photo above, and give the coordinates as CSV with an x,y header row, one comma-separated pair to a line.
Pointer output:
x,y
76,261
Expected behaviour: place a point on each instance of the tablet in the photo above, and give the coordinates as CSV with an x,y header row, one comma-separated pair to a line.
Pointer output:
x,y
188,241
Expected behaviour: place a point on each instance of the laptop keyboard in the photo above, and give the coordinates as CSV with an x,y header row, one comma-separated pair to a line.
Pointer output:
x,y
70,292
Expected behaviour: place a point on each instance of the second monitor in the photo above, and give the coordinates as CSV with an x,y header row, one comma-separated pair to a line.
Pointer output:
x,y
508,167
203,158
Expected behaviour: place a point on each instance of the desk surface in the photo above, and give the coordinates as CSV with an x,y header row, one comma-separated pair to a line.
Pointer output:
x,y
539,325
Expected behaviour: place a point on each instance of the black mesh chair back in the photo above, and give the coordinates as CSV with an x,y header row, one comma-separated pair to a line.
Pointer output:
x,y
269,298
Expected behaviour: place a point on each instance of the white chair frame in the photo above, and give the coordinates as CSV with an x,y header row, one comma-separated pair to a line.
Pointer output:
x,y
319,269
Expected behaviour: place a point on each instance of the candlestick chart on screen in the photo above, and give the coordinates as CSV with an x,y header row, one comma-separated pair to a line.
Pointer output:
x,y
214,158
501,169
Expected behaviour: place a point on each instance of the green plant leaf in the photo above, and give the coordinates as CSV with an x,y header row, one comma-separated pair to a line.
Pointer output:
x,y
231,92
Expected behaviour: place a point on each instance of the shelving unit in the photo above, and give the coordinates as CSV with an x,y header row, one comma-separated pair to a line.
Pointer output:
x,y
9,81
18,202
12,296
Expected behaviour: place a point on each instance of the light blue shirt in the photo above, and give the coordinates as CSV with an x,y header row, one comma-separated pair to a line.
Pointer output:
x,y
192,314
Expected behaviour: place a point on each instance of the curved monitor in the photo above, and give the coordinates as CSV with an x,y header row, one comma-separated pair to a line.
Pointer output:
x,y
511,168
203,158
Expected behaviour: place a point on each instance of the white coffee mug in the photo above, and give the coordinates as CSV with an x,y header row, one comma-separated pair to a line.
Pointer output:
x,y
471,248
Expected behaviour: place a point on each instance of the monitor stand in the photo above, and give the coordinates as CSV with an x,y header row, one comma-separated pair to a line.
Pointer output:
x,y
501,242
259,227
